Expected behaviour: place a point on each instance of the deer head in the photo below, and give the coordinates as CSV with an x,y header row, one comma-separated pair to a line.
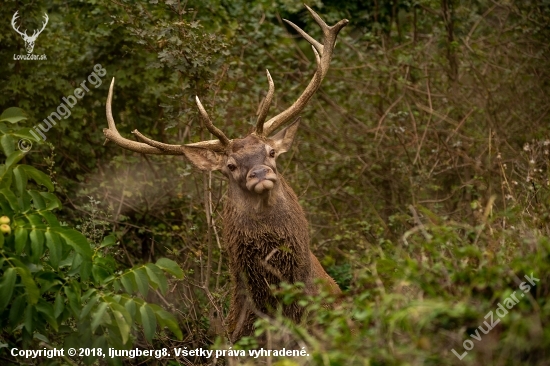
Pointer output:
x,y
29,40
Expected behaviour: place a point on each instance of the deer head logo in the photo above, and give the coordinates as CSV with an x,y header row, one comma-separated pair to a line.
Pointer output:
x,y
29,40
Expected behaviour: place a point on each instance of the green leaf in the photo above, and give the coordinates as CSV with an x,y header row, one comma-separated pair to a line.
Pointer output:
x,y
8,145
28,323
73,296
128,282
157,276
26,278
13,115
170,266
37,199
141,281
21,235
55,246
165,319
148,321
37,245
50,218
88,307
6,287
76,240
17,310
52,201
14,158
47,312
97,318
99,273
108,241
123,326
59,305
130,306
10,197
38,176
20,178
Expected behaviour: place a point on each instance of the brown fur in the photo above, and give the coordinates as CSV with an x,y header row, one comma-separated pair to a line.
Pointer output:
x,y
266,234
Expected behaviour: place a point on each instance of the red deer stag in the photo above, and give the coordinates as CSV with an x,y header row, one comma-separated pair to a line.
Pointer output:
x,y
264,228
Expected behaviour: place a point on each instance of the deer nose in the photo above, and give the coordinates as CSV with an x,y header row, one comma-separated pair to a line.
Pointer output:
x,y
258,173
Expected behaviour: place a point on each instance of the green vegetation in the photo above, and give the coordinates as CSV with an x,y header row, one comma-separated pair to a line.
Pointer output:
x,y
422,164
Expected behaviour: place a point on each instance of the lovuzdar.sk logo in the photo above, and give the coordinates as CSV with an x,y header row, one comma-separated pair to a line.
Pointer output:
x,y
29,40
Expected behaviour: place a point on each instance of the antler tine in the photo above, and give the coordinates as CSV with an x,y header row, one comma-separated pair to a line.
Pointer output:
x,y
323,55
149,147
264,107
210,126
13,19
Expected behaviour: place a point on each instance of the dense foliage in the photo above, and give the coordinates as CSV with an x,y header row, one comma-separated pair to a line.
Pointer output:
x,y
422,164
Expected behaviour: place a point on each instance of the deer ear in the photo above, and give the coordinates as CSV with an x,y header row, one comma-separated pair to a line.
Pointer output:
x,y
204,159
282,140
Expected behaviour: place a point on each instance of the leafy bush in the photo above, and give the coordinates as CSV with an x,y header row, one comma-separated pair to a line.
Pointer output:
x,y
57,288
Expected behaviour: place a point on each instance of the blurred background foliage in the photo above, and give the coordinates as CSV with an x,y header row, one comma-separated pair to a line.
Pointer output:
x,y
422,163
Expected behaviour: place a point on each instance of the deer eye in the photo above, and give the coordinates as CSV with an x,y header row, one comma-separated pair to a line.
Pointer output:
x,y
272,153
231,167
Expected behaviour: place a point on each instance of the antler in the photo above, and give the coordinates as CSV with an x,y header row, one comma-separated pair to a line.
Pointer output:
x,y
149,146
323,54
13,19
36,33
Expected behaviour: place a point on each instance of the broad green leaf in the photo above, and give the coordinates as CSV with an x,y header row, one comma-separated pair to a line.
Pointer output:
x,y
88,294
88,307
170,266
52,201
97,318
20,178
38,176
6,178
74,298
12,115
148,321
6,286
85,269
1,241
14,158
28,322
47,311
37,244
123,326
59,305
99,273
108,241
130,306
35,220
141,281
8,144
165,319
157,276
55,246
10,197
21,235
26,278
76,240
17,309
128,281
37,199
50,218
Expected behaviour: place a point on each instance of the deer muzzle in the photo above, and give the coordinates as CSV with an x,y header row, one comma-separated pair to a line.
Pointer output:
x,y
260,179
